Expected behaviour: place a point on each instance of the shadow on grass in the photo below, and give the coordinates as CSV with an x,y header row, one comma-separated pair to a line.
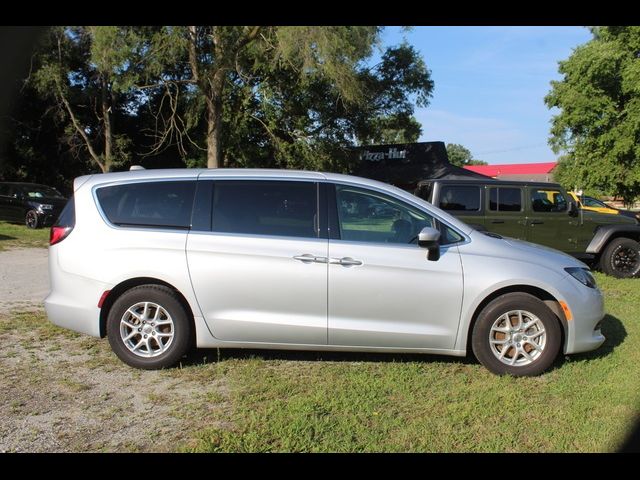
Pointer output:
x,y
6,237
612,328
614,332
210,355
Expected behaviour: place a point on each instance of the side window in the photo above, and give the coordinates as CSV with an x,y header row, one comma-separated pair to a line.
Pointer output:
x,y
8,190
148,204
424,190
460,198
369,216
505,199
449,235
67,217
279,208
547,200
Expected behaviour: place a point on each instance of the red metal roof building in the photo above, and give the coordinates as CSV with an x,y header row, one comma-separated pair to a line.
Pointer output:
x,y
538,172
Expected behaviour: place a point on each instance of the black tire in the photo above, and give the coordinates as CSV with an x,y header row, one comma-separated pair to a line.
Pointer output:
x,y
169,301
32,219
621,258
482,335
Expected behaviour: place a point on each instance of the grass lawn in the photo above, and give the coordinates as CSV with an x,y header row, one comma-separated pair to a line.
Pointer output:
x,y
19,236
359,403
333,402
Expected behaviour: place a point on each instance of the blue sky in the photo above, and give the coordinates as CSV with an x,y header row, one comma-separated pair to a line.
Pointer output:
x,y
490,84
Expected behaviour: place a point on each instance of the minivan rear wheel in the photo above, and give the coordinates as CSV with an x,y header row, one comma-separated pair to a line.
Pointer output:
x,y
516,334
149,328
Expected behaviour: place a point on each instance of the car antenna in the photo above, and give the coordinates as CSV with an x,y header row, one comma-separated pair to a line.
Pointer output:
x,y
136,167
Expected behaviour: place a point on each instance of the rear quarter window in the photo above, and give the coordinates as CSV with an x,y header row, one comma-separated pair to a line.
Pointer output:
x,y
67,217
460,198
149,204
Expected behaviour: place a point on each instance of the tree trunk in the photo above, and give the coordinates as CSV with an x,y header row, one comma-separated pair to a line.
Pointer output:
x,y
108,135
80,130
214,121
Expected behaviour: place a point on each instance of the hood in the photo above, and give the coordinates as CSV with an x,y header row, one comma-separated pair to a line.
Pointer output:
x,y
520,250
56,202
551,253
607,218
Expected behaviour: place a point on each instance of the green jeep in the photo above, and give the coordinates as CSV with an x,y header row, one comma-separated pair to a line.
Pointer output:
x,y
542,213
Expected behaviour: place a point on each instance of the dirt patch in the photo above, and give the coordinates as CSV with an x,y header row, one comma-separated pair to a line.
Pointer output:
x,y
63,392
24,278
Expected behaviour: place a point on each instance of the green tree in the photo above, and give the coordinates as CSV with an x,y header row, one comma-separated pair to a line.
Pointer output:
x,y
599,102
86,71
461,156
296,97
299,96
33,151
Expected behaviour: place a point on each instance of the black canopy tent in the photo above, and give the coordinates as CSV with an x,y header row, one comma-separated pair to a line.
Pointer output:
x,y
406,164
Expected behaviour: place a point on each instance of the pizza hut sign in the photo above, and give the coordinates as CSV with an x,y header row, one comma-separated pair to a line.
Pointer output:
x,y
390,154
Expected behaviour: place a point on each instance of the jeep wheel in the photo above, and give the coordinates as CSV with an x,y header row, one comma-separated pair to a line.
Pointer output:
x,y
621,258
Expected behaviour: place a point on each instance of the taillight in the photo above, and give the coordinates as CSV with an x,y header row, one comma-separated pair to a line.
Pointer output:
x,y
58,234
65,223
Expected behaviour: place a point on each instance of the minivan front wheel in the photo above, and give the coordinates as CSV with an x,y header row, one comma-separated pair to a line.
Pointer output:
x,y
516,334
149,328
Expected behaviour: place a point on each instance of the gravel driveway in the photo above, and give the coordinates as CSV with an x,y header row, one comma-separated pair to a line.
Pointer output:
x,y
24,278
65,392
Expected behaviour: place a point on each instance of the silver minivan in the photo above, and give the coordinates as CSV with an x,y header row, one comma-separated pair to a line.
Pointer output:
x,y
160,261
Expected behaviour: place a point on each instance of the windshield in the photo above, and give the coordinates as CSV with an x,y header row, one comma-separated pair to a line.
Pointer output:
x,y
592,202
41,191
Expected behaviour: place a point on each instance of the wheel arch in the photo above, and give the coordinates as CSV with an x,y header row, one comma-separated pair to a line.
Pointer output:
x,y
606,233
126,285
549,300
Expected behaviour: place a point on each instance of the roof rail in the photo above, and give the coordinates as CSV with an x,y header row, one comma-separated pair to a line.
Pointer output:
x,y
136,167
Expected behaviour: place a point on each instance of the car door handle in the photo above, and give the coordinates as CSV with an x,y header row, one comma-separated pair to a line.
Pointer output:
x,y
308,258
497,221
346,261
536,222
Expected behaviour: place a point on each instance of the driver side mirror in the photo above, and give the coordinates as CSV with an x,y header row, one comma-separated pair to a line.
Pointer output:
x,y
429,238
573,209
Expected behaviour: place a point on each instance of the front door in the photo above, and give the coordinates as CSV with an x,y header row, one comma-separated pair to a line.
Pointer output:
x,y
383,292
260,274
548,220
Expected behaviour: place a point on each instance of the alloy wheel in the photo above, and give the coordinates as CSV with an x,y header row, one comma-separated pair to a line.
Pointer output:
x,y
147,329
517,338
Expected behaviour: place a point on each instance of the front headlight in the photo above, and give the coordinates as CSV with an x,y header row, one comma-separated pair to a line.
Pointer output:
x,y
46,206
583,275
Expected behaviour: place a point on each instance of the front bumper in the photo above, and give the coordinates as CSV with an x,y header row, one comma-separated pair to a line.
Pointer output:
x,y
587,310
